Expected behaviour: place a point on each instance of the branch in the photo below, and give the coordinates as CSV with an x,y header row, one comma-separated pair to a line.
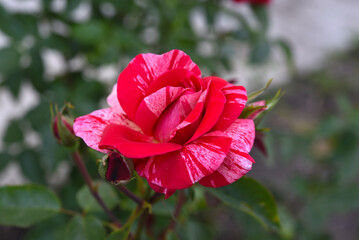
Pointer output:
x,y
130,194
180,202
86,176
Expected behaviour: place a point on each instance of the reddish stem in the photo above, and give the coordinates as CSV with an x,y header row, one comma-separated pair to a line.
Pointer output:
x,y
130,194
86,176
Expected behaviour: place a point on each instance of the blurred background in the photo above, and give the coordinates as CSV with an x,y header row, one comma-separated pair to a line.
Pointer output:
x,y
53,51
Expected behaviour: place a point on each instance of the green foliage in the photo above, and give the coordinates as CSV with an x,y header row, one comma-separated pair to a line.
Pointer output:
x,y
31,167
251,197
118,235
53,228
112,34
85,228
89,204
26,205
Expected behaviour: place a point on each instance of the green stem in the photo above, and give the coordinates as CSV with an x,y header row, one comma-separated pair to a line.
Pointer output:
x,y
86,176
180,202
68,212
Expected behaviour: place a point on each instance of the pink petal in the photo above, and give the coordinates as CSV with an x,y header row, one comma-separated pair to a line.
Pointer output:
x,y
168,192
261,103
140,166
90,127
181,169
112,98
234,166
153,105
238,162
236,98
178,77
242,132
213,107
134,80
185,130
133,144
174,115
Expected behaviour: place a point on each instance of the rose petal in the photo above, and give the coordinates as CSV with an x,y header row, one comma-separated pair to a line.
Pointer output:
x,y
213,107
112,99
236,98
181,169
168,192
254,114
134,80
184,131
238,162
234,166
153,105
178,77
174,115
90,127
133,144
242,132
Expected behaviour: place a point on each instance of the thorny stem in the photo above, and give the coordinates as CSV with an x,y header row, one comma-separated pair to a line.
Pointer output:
x,y
180,202
86,176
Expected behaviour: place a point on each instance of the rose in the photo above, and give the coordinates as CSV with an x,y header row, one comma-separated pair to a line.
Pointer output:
x,y
177,127
259,2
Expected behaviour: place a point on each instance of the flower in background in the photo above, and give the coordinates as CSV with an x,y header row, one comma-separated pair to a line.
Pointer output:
x,y
177,127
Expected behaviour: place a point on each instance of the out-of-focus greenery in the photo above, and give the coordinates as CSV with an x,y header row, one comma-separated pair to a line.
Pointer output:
x,y
112,34
109,35
313,155
312,167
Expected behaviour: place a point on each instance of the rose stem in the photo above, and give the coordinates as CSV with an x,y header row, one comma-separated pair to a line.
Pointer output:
x,y
180,202
130,194
144,215
86,176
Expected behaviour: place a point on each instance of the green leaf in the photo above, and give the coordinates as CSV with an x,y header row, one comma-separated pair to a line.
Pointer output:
x,y
13,133
251,197
4,160
25,205
288,53
90,33
85,228
36,70
53,228
13,81
30,166
118,235
270,105
9,60
72,5
194,229
255,94
259,52
261,14
89,204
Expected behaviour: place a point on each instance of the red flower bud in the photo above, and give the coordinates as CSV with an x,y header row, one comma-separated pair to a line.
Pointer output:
x,y
63,131
116,169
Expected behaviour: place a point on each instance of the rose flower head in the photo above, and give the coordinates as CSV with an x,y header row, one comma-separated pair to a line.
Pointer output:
x,y
177,127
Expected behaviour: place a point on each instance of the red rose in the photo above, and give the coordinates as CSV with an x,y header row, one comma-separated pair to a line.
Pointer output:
x,y
260,2
177,127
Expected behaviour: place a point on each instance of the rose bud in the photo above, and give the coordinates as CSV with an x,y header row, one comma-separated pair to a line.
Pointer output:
x,y
116,169
63,131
